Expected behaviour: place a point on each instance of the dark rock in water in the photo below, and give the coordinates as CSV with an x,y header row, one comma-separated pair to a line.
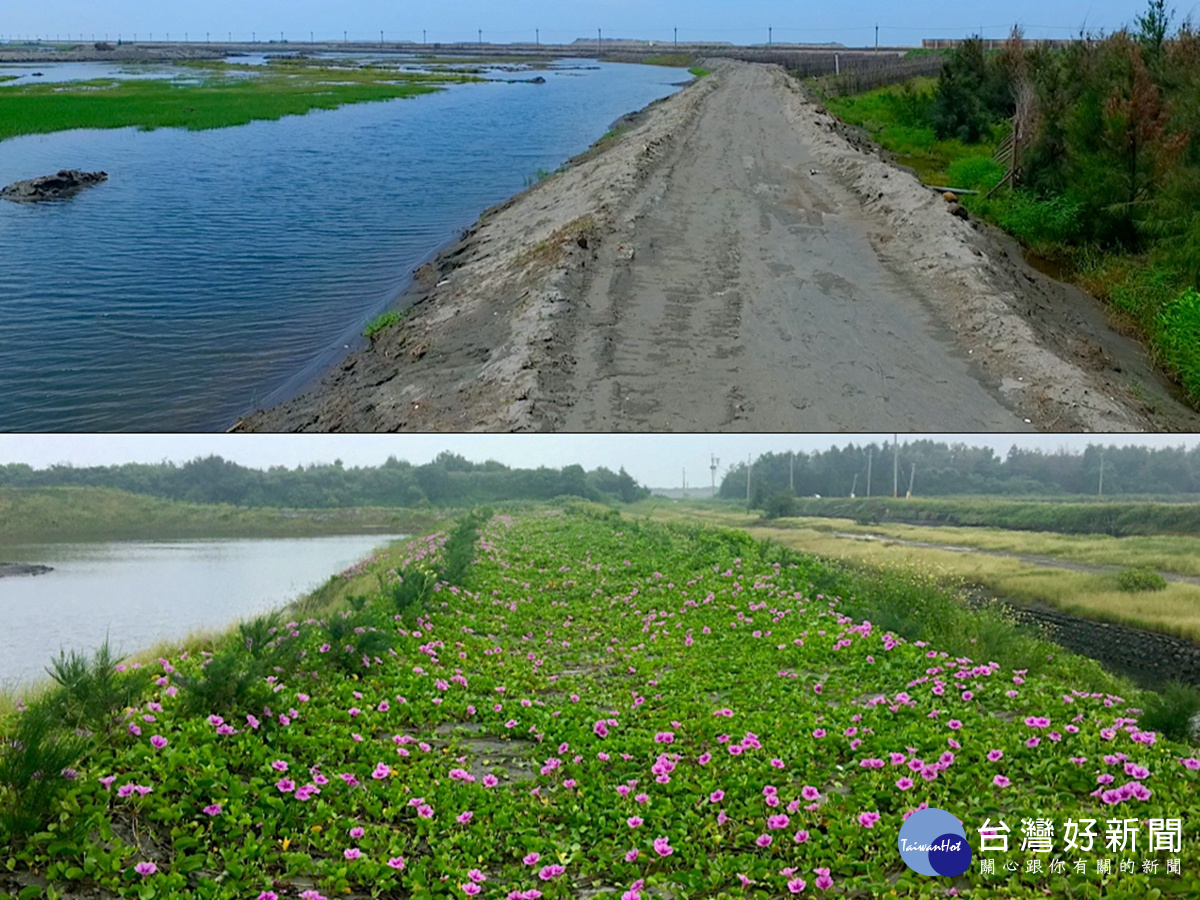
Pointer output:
x,y
22,569
538,80
66,183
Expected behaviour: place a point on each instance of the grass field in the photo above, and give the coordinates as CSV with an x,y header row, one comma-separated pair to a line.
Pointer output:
x,y
1067,515
594,706
1175,610
220,95
37,515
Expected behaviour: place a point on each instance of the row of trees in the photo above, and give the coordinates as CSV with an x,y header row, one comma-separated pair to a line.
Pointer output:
x,y
941,469
449,480
1112,125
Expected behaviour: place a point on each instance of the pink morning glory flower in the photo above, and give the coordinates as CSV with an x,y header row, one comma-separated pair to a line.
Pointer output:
x,y
398,863
662,846
145,868
1001,781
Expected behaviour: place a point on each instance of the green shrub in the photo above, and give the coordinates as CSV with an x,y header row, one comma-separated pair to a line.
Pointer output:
x,y
780,506
458,553
257,634
230,682
1177,340
355,643
91,693
408,595
1172,711
1140,578
33,763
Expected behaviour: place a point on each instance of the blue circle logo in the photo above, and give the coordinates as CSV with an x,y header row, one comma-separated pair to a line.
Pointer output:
x,y
934,842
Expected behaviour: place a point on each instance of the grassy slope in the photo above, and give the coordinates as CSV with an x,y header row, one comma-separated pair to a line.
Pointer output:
x,y
1175,610
917,147
34,515
580,620
223,95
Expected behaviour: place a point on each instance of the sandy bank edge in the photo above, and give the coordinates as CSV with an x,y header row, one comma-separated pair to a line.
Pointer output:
x,y
468,353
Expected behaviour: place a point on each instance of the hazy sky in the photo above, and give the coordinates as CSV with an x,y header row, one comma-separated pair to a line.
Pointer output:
x,y
654,460
850,22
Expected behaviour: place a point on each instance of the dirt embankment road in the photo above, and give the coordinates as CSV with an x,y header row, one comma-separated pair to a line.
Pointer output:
x,y
736,262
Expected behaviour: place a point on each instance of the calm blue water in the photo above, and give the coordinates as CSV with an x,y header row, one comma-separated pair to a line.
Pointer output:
x,y
216,271
140,592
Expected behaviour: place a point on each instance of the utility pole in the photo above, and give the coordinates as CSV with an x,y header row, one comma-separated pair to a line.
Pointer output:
x,y
345,36
911,475
712,468
747,483
480,38
599,40
1100,492
769,35
537,36
677,38
895,466
380,37
876,37
853,485
792,472
870,452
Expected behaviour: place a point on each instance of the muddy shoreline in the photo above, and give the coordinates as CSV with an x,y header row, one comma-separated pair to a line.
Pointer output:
x,y
15,570
573,306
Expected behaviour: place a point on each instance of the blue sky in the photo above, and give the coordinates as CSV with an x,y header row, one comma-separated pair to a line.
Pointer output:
x,y
850,22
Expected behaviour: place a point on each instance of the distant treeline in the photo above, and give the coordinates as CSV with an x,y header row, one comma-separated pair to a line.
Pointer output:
x,y
941,469
1117,518
450,480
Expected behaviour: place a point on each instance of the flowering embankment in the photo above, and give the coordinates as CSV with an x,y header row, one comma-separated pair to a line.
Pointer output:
x,y
609,706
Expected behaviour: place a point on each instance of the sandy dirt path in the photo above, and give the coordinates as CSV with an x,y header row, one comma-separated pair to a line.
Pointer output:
x,y
737,260
755,299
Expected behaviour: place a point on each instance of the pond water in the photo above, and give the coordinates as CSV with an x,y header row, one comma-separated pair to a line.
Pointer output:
x,y
140,592
217,271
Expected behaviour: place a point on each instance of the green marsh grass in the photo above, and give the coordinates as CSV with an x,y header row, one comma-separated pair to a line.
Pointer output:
x,y
222,95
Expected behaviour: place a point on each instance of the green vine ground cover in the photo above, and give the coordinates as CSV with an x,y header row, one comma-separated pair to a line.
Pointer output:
x,y
599,707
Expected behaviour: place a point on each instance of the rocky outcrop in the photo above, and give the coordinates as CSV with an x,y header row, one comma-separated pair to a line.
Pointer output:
x,y
63,184
7,569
